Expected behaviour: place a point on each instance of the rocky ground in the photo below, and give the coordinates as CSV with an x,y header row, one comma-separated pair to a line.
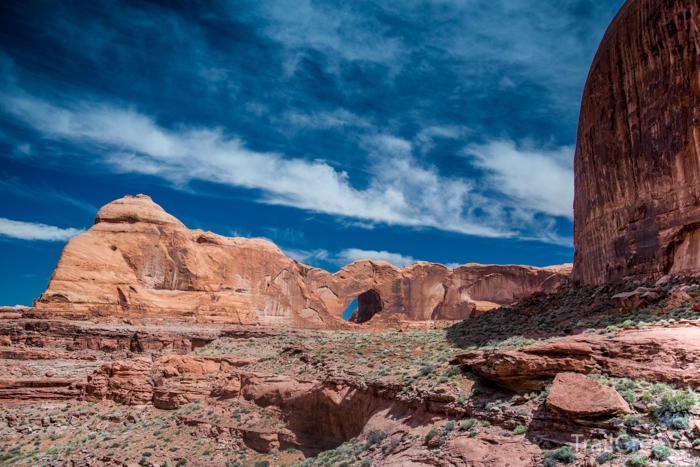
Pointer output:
x,y
614,386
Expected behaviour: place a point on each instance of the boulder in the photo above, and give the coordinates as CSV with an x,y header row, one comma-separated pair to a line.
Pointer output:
x,y
657,355
531,368
489,452
579,397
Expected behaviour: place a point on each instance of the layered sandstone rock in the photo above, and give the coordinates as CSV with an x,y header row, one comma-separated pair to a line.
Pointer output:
x,y
580,397
637,163
139,261
657,355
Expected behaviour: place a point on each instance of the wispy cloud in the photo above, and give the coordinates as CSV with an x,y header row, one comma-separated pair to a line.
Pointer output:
x,y
400,191
346,256
311,257
322,120
16,187
351,255
538,178
32,231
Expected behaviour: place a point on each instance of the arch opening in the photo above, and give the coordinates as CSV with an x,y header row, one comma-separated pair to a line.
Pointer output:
x,y
350,310
368,304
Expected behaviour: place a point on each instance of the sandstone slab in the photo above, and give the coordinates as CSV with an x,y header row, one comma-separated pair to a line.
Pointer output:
x,y
579,397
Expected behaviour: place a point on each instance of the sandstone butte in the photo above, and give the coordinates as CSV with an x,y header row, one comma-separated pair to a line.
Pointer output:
x,y
139,261
637,162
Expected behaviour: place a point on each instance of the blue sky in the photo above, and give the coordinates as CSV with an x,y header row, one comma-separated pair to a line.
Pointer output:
x,y
439,131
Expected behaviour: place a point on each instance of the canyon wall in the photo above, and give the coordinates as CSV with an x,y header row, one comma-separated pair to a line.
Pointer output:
x,y
139,261
637,163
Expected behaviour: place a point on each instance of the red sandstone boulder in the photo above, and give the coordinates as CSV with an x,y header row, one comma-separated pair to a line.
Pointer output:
x,y
659,354
531,368
127,382
579,397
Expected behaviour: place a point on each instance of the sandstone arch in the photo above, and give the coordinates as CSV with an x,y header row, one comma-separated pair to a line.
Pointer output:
x,y
139,261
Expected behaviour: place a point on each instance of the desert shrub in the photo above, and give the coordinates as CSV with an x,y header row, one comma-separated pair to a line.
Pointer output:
x,y
680,423
604,457
450,426
262,464
631,421
431,434
467,424
181,462
677,402
375,437
627,445
564,454
427,369
637,461
629,396
660,453
520,429
453,371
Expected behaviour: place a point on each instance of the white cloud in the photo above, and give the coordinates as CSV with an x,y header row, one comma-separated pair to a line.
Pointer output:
x,y
427,136
306,256
399,191
351,255
347,256
539,179
325,120
15,187
32,231
334,30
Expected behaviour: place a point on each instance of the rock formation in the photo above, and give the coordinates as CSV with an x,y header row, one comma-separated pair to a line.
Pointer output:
x,y
139,261
580,397
637,163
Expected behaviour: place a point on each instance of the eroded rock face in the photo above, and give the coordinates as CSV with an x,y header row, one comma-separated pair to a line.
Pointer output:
x,y
657,355
637,165
139,261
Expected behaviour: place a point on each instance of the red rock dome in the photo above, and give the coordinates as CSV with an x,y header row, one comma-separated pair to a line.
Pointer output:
x,y
637,163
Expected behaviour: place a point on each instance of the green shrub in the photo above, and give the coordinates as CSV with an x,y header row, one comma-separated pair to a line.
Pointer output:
x,y
262,464
677,401
450,426
564,454
520,429
660,453
627,445
631,421
375,437
181,462
629,396
604,457
366,463
637,461
467,424
680,423
431,434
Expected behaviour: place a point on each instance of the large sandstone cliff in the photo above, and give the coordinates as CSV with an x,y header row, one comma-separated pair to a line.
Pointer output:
x,y
637,164
137,260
